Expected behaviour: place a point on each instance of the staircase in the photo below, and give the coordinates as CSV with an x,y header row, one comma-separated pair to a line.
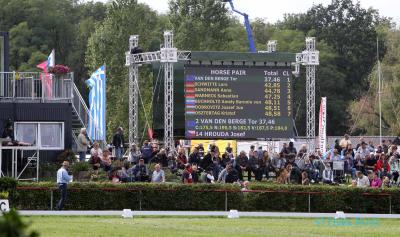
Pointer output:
x,y
80,115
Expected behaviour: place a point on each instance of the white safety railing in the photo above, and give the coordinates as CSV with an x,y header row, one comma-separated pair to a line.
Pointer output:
x,y
35,86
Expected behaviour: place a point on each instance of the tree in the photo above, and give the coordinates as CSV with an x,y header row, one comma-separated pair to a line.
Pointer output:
x,y
108,44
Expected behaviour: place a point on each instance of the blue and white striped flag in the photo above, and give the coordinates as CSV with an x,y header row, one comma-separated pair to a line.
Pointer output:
x,y
97,102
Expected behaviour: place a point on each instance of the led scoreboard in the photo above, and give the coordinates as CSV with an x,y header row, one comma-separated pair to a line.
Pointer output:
x,y
225,102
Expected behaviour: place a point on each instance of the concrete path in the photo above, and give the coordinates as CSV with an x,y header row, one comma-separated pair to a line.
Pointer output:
x,y
205,213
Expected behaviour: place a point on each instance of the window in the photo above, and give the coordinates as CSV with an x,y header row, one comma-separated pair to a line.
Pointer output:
x,y
26,132
45,135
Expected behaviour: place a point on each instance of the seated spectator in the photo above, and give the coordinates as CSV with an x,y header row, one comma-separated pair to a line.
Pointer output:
x,y
240,164
303,150
363,151
358,163
141,172
172,164
245,186
96,150
181,159
382,167
348,165
232,175
161,158
126,173
376,182
304,178
134,154
115,177
222,175
106,160
370,162
386,182
207,162
158,175
291,149
252,166
226,158
95,161
362,180
278,163
187,177
345,141
195,174
209,176
194,157
327,174
394,168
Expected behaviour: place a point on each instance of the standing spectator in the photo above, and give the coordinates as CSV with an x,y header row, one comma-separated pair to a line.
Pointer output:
x,y
63,178
141,172
394,168
187,177
382,167
147,152
348,165
362,180
385,146
96,149
82,144
345,141
134,154
359,144
158,175
118,143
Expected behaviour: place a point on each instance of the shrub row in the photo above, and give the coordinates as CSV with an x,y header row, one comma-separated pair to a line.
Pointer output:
x,y
208,197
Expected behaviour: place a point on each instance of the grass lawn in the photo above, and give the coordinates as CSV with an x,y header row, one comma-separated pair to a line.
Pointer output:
x,y
218,227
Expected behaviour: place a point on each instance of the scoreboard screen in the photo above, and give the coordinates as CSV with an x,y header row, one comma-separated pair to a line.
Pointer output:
x,y
238,102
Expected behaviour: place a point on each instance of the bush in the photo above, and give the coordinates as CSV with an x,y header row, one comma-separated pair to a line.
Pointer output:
x,y
11,225
210,197
79,166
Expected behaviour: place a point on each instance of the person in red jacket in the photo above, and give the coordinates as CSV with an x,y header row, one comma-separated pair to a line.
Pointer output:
x,y
382,167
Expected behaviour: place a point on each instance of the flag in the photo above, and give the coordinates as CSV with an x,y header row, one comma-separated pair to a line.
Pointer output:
x,y
191,133
47,82
192,112
189,96
150,133
322,125
97,103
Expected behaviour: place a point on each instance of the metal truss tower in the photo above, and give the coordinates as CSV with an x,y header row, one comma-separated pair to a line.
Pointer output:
x,y
168,55
133,94
310,59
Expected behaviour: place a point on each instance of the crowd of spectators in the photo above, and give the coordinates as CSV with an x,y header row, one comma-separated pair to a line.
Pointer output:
x,y
364,165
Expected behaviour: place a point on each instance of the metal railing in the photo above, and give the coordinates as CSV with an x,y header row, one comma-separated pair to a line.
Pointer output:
x,y
82,111
35,86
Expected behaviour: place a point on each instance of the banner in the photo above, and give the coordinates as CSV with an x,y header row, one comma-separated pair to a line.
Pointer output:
x,y
47,82
322,125
97,102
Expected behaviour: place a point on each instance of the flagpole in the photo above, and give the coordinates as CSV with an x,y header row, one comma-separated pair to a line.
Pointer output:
x,y
379,91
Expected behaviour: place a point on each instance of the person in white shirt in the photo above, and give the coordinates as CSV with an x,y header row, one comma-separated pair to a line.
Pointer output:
x,y
96,150
362,180
63,178
158,175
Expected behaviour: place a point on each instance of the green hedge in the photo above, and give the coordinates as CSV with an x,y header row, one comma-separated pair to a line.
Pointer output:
x,y
204,197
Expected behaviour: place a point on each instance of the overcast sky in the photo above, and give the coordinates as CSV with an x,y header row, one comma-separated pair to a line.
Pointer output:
x,y
274,10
